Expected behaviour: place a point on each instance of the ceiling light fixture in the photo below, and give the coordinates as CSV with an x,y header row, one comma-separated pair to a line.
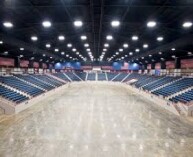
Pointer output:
x,y
151,24
46,24
83,37
48,45
160,38
69,45
61,38
145,46
106,45
8,24
120,50
86,45
74,50
6,52
34,38
115,23
109,37
125,45
78,23
56,50
187,24
135,38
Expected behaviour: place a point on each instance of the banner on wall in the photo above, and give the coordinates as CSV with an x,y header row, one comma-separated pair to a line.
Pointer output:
x,y
117,65
86,67
24,63
125,66
134,66
107,68
187,63
35,64
149,66
170,65
158,66
68,65
7,62
44,66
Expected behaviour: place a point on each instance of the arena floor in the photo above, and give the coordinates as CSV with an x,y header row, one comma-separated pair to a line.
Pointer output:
x,y
95,120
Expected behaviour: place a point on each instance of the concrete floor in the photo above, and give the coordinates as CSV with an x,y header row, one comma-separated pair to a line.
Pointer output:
x,y
95,120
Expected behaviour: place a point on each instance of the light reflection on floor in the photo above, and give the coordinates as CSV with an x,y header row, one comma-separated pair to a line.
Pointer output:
x,y
96,120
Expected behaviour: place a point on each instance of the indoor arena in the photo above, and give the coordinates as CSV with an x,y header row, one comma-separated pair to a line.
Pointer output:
x,y
96,78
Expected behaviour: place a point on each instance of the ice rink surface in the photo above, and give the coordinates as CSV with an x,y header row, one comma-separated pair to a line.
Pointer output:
x,y
95,120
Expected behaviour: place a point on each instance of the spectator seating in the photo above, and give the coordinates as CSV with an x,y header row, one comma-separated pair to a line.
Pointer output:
x,y
144,80
175,87
82,75
72,76
110,76
12,95
133,76
36,82
45,79
120,77
91,77
21,85
34,85
55,81
184,98
102,77
159,83
61,76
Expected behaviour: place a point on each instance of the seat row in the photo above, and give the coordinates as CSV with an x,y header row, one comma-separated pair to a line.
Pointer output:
x,y
175,87
12,95
21,85
32,85
184,98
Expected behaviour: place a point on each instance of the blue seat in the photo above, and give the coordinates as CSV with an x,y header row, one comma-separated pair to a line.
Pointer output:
x,y
21,85
12,95
102,77
175,87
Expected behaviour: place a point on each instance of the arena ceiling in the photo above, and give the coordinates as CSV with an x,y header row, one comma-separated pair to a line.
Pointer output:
x,y
141,31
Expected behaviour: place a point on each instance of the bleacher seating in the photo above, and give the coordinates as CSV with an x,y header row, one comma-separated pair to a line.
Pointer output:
x,y
91,77
133,76
159,83
72,76
61,76
184,98
55,81
45,79
174,87
12,95
144,80
102,77
82,75
34,85
21,85
120,77
110,76
36,82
